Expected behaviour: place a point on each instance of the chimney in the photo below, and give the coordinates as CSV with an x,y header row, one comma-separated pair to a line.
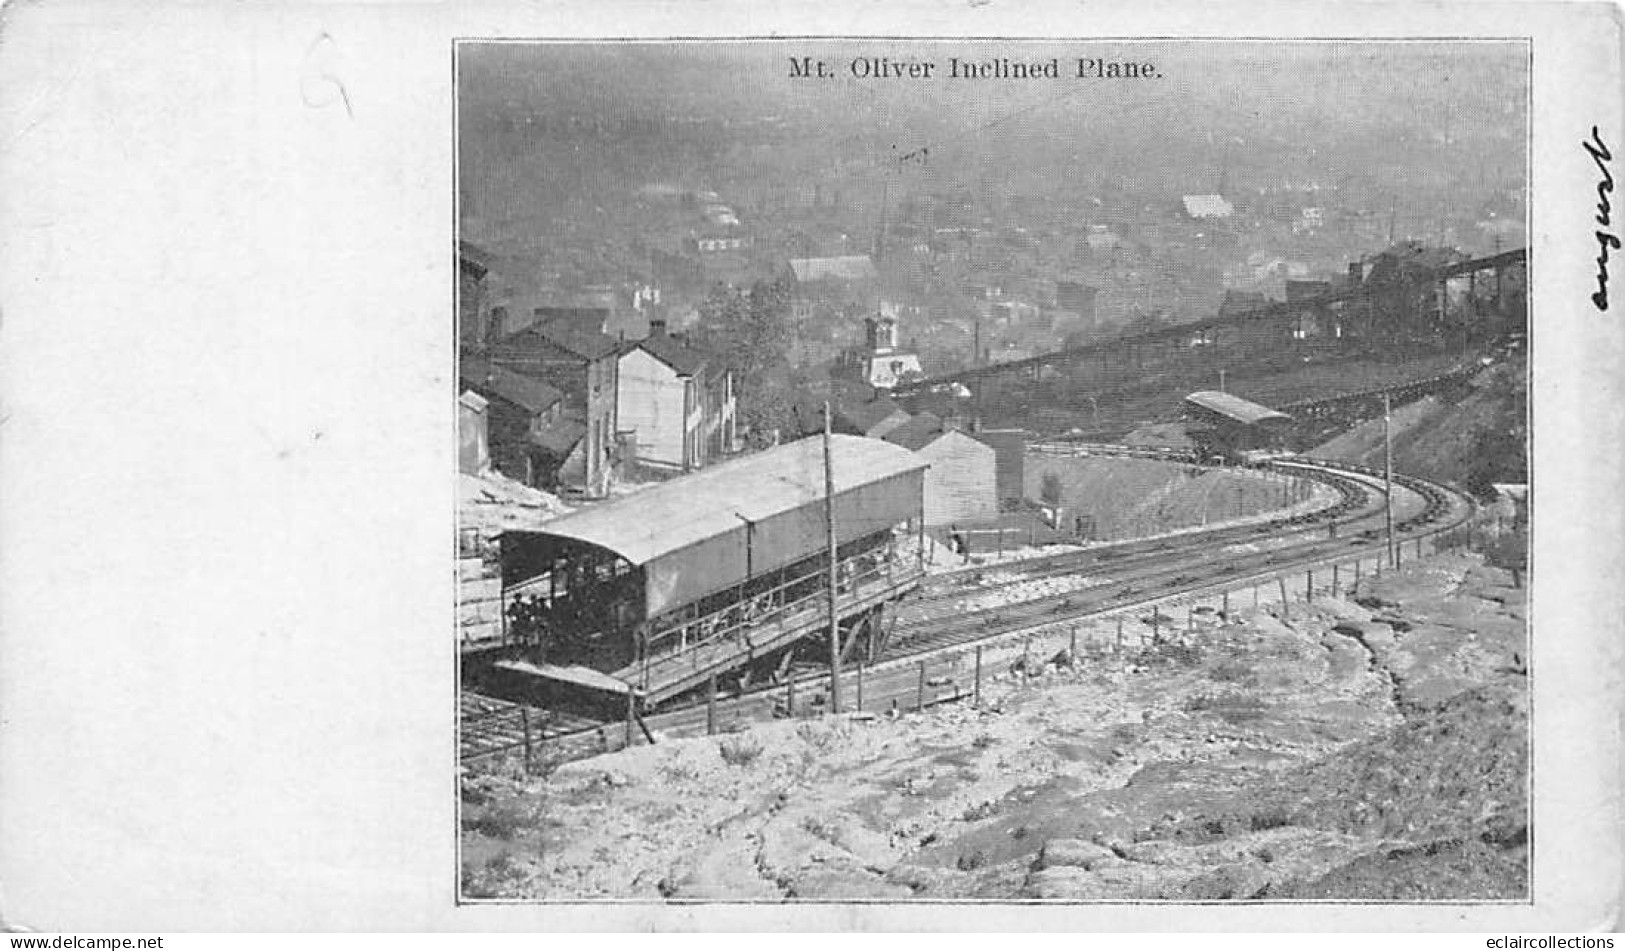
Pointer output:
x,y
1356,273
657,326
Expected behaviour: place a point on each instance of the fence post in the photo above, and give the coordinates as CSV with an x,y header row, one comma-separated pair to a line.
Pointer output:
x,y
1309,585
1156,622
524,722
1255,597
790,699
1357,570
1334,579
1225,606
711,706
860,685
630,701
978,687
1190,618
1072,649
1120,634
919,692
1286,606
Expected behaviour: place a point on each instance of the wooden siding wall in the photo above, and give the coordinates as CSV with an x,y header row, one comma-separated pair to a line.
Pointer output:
x,y
961,484
651,402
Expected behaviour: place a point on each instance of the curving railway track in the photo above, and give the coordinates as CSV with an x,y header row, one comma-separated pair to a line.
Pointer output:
x,y
947,618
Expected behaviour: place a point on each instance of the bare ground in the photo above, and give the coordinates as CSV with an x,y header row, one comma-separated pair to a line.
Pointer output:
x,y
1374,747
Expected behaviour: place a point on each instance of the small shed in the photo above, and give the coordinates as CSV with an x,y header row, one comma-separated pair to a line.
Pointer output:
x,y
1228,423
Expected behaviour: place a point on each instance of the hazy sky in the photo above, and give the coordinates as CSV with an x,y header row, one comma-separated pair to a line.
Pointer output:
x,y
746,78
1441,120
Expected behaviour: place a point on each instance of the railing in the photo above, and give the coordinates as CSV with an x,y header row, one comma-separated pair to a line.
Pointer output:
x,y
768,608
1085,449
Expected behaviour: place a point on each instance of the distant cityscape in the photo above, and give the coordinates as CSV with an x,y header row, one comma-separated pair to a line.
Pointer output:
x,y
780,240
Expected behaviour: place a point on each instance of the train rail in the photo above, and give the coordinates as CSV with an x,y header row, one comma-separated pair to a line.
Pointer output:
x,y
1132,575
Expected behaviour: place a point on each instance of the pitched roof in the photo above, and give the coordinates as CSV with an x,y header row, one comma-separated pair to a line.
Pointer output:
x,y
868,415
561,436
1234,407
917,433
673,353
526,392
852,267
581,341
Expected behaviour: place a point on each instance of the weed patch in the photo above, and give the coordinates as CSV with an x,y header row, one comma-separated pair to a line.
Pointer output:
x,y
741,750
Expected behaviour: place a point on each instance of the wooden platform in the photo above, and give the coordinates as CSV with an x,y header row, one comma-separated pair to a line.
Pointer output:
x,y
669,676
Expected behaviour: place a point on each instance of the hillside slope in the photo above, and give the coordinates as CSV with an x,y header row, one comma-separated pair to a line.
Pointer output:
x,y
1472,437
1367,748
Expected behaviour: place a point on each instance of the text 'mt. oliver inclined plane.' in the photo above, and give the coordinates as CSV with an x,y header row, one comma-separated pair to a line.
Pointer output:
x,y
1001,67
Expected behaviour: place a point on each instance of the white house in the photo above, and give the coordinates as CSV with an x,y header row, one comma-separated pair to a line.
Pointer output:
x,y
677,402
962,483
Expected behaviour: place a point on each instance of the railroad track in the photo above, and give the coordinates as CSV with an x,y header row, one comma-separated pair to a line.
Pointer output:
x,y
1143,573
1352,494
1161,573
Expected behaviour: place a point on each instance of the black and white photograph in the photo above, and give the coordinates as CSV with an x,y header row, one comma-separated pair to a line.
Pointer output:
x,y
993,470
1140,471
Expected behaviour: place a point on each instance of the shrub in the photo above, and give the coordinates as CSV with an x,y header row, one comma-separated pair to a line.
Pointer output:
x,y
675,770
741,750
822,736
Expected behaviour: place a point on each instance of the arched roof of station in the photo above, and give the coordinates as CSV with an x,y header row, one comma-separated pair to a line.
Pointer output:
x,y
671,516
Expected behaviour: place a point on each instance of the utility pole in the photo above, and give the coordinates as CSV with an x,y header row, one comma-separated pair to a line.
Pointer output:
x,y
829,532
1388,474
1221,379
977,378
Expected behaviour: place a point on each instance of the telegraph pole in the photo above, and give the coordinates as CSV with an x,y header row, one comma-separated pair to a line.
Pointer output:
x,y
829,532
1388,474
977,379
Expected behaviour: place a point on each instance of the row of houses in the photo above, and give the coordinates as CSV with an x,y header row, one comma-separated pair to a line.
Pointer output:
x,y
561,405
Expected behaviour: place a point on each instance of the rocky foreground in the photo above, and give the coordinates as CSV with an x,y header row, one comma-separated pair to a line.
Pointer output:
x,y
1374,747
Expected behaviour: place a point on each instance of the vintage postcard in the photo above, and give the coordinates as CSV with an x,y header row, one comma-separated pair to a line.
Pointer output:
x,y
934,468
909,470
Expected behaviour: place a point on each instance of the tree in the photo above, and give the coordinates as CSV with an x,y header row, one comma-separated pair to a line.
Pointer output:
x,y
750,331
